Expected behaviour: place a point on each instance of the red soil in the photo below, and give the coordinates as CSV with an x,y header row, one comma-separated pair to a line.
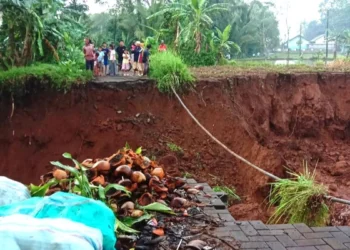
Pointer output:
x,y
273,121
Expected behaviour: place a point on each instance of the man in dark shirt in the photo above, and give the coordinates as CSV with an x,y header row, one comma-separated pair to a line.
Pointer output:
x,y
145,60
120,51
105,59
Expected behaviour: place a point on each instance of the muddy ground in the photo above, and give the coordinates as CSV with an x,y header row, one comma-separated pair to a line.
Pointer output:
x,y
275,121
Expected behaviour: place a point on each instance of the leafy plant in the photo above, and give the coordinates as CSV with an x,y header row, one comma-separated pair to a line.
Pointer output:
x,y
230,191
157,207
169,70
299,200
130,221
174,148
120,226
40,191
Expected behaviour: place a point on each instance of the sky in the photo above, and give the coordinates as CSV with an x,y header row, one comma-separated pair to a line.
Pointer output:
x,y
297,12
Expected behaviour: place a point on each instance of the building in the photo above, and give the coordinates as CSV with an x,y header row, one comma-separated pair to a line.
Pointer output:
x,y
319,44
294,44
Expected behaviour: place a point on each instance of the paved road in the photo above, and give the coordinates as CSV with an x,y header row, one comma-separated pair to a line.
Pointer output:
x,y
119,79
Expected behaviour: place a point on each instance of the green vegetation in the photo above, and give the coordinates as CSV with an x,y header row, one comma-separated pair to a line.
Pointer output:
x,y
41,31
299,200
230,191
169,70
57,76
174,148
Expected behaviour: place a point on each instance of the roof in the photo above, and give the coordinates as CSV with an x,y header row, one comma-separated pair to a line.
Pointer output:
x,y
316,38
290,39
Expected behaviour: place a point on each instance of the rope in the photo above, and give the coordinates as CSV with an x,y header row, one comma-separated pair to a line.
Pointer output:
x,y
331,198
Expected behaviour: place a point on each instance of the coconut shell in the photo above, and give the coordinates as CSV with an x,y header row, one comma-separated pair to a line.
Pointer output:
x,y
145,199
123,170
158,232
138,177
102,166
136,213
60,174
159,172
99,180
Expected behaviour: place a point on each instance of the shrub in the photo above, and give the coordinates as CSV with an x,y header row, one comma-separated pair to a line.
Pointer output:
x,y
169,70
202,59
58,76
299,200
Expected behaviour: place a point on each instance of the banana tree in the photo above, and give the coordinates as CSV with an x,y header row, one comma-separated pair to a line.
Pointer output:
x,y
192,18
223,43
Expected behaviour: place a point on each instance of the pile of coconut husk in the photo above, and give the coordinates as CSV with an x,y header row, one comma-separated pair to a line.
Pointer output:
x,y
139,191
143,178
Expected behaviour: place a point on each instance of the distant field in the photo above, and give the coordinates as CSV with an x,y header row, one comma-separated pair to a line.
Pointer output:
x,y
262,68
294,56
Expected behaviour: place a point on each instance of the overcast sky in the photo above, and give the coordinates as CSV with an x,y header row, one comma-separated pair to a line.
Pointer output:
x,y
297,12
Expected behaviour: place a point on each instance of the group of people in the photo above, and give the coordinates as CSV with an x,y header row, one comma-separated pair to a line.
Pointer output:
x,y
113,61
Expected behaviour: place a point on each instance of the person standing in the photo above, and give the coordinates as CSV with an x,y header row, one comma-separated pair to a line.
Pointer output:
x,y
145,59
88,50
120,51
126,62
162,47
137,65
100,61
112,59
105,59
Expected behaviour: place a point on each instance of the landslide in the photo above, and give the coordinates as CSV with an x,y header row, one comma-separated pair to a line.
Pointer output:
x,y
275,121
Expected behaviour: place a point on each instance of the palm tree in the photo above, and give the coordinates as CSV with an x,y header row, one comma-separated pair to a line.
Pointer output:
x,y
192,18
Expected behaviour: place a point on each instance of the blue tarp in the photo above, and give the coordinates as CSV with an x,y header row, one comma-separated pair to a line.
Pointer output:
x,y
90,212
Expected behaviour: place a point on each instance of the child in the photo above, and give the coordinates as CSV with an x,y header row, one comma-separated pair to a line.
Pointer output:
x,y
100,61
96,66
126,62
112,58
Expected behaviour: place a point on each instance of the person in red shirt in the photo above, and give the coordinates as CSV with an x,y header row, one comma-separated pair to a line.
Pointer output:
x,y
162,47
89,54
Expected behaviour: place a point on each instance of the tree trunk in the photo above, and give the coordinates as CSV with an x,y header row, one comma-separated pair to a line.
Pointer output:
x,y
177,35
27,47
12,44
198,42
53,50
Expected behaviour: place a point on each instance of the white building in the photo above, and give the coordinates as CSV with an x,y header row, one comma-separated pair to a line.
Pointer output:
x,y
319,43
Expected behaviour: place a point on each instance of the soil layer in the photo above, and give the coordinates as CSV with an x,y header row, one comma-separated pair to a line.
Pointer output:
x,y
275,121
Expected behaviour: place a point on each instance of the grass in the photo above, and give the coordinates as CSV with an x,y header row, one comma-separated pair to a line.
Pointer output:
x,y
230,191
57,76
169,70
174,148
299,200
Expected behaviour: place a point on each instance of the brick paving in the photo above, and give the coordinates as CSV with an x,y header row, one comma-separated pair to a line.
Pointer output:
x,y
257,235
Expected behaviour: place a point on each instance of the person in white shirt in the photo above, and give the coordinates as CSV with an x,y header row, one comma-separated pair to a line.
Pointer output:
x,y
112,60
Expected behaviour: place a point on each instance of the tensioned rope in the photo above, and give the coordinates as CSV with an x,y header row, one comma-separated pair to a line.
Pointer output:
x,y
331,198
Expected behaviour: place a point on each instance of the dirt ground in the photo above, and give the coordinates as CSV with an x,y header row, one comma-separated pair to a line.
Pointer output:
x,y
275,121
